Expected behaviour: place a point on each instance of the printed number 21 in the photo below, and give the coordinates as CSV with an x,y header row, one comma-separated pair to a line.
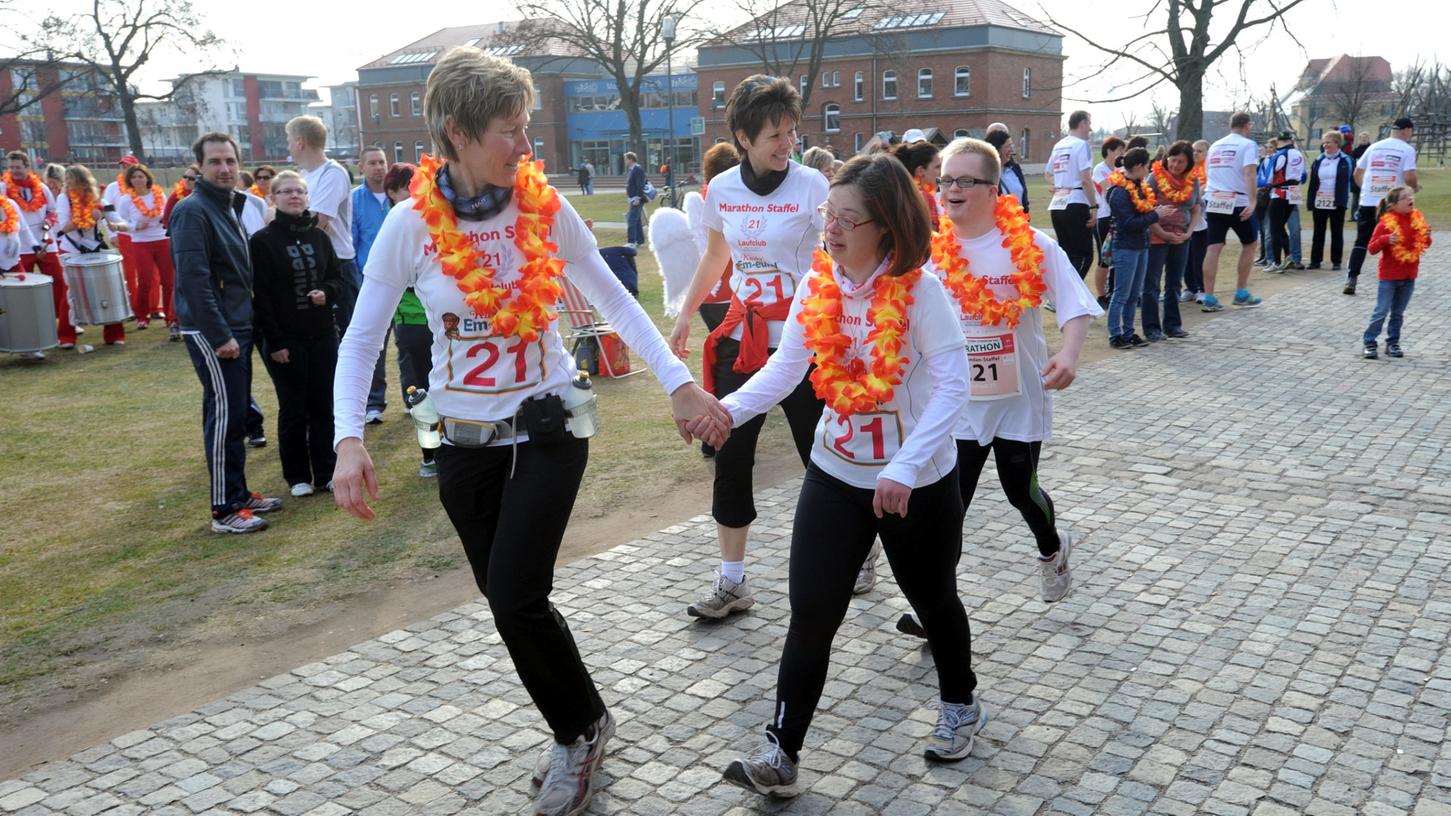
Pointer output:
x,y
978,370
759,289
491,351
873,428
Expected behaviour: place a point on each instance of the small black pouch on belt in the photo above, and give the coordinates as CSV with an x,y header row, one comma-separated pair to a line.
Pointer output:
x,y
544,419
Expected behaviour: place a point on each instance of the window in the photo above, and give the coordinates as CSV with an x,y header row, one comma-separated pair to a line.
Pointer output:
x,y
418,151
415,101
826,79
836,79
803,85
1023,145
857,87
831,115
852,14
857,143
373,106
539,148
393,105
889,84
239,88
962,81
959,134
397,152
909,21
1027,82
717,96
924,83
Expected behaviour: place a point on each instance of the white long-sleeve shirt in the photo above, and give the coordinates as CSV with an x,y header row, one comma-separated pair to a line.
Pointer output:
x,y
476,374
17,243
144,229
908,439
84,240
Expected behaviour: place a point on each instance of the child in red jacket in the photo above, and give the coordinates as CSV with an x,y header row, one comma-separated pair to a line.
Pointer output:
x,y
1401,236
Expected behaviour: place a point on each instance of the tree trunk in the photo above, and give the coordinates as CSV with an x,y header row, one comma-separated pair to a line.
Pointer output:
x,y
133,127
630,101
1191,105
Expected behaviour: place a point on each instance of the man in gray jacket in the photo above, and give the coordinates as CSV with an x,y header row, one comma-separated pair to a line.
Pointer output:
x,y
214,308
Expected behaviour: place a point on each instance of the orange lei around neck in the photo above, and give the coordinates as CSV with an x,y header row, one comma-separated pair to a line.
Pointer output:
x,y
83,209
1411,247
973,293
521,311
11,220
1175,192
1200,175
37,191
1140,192
158,203
121,183
257,191
854,387
927,187
180,190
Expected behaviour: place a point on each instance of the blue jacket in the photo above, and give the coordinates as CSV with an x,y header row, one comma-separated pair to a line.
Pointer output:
x,y
635,183
1344,175
1130,227
367,220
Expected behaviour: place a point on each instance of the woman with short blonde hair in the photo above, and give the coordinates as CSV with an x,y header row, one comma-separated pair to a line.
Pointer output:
x,y
485,243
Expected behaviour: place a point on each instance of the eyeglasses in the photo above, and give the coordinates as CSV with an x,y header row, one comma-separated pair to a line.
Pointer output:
x,y
189,178
289,191
962,182
263,178
846,224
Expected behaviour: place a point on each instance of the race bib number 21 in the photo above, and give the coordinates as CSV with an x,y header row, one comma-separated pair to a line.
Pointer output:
x,y
864,439
494,365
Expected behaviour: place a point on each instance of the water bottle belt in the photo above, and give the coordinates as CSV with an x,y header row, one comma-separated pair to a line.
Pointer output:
x,y
473,433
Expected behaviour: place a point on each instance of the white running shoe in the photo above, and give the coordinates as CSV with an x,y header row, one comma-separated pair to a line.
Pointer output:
x,y
769,771
569,783
302,489
725,596
1054,576
242,521
957,727
866,578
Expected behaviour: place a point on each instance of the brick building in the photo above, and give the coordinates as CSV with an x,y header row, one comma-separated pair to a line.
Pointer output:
x,y
950,65
79,122
390,91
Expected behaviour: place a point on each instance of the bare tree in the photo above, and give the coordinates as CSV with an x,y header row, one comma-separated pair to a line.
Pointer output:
x,y
116,38
1348,97
1184,27
624,39
1162,120
34,75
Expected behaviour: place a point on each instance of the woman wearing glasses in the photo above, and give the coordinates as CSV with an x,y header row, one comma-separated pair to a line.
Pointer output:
x,y
888,359
182,189
762,216
297,277
984,237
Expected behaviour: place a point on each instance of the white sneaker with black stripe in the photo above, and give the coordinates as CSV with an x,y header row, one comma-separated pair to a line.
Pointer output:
x,y
241,521
957,727
769,771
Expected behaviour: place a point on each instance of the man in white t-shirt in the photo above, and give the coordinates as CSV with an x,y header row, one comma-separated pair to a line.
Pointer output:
x,y
1230,205
330,191
1388,163
1074,207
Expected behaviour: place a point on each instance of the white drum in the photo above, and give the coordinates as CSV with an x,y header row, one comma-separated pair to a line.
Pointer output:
x,y
97,285
27,313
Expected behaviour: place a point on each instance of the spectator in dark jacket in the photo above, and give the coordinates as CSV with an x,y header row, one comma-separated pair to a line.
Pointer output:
x,y
1331,176
1130,244
298,277
635,192
1013,182
214,308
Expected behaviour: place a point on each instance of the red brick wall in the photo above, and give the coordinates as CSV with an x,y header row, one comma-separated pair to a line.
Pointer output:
x,y
254,116
405,127
997,95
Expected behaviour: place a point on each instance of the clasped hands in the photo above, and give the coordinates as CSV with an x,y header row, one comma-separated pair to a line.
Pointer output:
x,y
698,415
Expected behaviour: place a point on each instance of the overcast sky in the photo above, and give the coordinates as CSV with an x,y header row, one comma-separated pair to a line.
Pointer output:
x,y
335,38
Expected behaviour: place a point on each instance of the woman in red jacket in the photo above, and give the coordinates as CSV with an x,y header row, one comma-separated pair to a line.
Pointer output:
x,y
1401,237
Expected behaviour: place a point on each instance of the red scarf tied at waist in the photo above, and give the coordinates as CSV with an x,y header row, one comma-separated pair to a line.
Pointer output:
x,y
754,320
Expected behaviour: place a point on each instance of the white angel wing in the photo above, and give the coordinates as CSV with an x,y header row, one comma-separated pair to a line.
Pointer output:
x,y
676,254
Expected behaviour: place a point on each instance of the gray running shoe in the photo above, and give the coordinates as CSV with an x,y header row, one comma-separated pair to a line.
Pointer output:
x,y
1053,572
606,726
768,771
725,596
866,578
957,727
241,521
569,784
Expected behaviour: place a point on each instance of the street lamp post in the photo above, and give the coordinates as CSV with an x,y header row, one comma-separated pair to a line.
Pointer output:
x,y
667,32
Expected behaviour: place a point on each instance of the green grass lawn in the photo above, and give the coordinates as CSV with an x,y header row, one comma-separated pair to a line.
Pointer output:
x,y
103,492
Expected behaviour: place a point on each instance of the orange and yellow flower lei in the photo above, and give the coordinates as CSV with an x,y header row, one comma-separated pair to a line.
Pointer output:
x,y
158,202
11,220
1409,250
1167,188
37,191
180,190
523,312
853,387
1139,191
973,293
83,209
1200,175
927,187
257,191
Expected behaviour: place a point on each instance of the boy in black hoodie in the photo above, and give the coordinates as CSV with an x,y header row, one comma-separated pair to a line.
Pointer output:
x,y
297,279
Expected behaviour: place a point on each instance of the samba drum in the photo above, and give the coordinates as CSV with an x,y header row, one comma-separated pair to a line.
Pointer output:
x,y
97,288
27,313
